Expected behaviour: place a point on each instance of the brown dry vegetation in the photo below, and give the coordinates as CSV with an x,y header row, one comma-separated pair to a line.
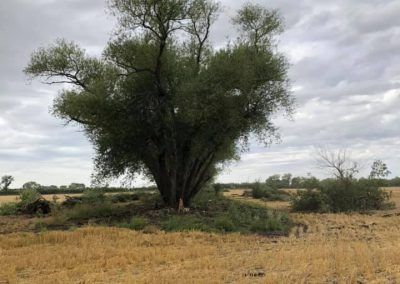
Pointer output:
x,y
328,248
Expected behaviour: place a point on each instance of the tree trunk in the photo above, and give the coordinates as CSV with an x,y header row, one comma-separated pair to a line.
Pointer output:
x,y
182,185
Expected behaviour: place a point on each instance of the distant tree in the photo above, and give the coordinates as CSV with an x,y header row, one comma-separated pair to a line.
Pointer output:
x,y
49,187
274,181
296,182
309,182
379,170
77,186
395,181
163,101
286,180
31,185
6,181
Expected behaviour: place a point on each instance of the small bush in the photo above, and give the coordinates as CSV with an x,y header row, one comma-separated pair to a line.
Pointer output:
x,y
93,196
262,191
309,201
185,223
88,211
28,196
123,197
267,225
138,223
225,224
9,209
257,219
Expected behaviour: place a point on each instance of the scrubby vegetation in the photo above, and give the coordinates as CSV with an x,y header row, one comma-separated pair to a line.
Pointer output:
x,y
210,212
341,196
264,191
29,202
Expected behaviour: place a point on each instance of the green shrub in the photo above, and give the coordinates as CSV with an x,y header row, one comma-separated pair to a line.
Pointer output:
x,y
123,197
9,209
255,218
28,196
258,191
309,201
138,223
342,196
88,211
217,188
225,224
93,196
267,225
185,223
208,201
262,191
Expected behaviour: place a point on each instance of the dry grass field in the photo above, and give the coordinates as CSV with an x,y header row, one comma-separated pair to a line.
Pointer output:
x,y
15,198
327,248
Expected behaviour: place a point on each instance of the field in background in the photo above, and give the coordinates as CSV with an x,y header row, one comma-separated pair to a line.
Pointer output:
x,y
323,248
49,197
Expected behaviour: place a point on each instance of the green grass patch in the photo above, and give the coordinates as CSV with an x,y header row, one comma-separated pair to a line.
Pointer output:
x,y
7,209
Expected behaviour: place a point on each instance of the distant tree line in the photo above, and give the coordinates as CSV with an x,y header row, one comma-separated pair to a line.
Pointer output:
x,y
63,189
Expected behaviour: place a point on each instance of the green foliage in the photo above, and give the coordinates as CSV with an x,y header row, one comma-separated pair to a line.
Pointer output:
x,y
336,195
28,195
309,200
148,103
138,223
274,181
252,218
217,188
224,224
268,225
186,223
123,197
93,196
31,185
76,186
10,208
263,191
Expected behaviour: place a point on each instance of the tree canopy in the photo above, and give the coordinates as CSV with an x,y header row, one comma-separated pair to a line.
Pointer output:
x,y
162,100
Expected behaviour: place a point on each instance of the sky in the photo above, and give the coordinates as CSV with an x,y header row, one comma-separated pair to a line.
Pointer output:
x,y
344,70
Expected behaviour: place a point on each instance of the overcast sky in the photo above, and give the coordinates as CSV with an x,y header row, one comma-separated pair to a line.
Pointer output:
x,y
345,73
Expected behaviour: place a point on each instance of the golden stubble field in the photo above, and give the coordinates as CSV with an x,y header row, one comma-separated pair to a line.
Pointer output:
x,y
50,197
329,248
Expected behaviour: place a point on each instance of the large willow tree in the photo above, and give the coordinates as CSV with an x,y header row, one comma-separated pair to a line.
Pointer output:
x,y
161,100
